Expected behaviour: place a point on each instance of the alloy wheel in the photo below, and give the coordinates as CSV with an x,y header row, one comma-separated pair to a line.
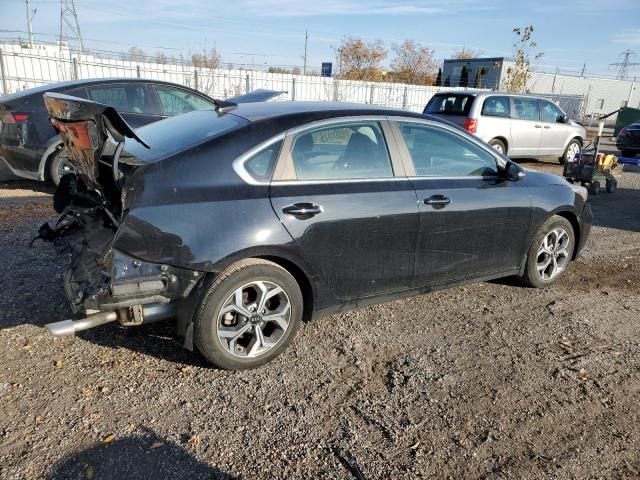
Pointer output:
x,y
553,254
254,319
572,151
498,148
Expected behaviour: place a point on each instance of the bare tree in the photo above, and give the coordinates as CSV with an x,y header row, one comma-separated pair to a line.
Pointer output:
x,y
361,60
136,54
466,54
160,58
518,74
210,59
414,64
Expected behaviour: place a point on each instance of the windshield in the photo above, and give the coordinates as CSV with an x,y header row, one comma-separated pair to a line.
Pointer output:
x,y
450,104
180,133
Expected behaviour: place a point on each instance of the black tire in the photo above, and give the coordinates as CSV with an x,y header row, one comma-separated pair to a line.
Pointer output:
x,y
595,188
530,277
56,165
498,145
570,148
628,153
221,289
611,185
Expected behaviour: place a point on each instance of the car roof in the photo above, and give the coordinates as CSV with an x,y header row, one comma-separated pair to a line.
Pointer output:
x,y
486,93
255,112
57,86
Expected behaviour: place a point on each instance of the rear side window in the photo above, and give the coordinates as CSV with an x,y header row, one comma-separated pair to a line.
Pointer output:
x,y
496,107
436,152
350,150
526,108
450,104
260,165
176,101
77,92
124,98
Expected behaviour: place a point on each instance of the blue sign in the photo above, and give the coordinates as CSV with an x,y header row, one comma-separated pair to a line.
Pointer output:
x,y
326,69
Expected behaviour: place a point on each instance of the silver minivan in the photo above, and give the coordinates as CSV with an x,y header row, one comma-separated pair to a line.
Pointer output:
x,y
516,125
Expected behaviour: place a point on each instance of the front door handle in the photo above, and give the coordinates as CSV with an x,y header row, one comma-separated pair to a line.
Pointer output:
x,y
437,200
538,126
302,209
547,126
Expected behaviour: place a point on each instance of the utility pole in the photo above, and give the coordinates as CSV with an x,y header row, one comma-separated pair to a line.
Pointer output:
x,y
584,66
623,66
306,39
29,24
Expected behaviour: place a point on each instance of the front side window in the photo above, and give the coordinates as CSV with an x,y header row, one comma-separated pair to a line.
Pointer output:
x,y
496,107
175,101
348,150
551,113
436,152
526,109
124,98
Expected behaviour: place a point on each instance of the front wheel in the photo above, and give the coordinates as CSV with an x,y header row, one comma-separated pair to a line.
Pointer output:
x,y
570,153
550,253
248,315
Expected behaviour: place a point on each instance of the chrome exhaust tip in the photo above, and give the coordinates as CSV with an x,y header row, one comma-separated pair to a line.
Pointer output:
x,y
70,327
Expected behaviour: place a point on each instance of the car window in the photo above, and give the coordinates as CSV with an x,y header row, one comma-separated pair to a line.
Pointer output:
x,y
450,104
350,150
124,98
550,112
436,152
496,107
260,165
176,101
526,108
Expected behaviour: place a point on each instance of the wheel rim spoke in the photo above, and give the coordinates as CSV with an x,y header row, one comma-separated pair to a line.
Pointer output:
x,y
254,319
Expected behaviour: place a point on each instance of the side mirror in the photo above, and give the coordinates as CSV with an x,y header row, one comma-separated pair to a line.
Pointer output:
x,y
513,173
562,119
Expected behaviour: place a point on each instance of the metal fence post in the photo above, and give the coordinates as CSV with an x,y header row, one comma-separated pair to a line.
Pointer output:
x,y
195,78
138,71
5,90
75,68
293,88
248,85
371,94
404,98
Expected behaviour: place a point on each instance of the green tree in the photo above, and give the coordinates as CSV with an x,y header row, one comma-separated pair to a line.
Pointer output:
x,y
439,78
464,77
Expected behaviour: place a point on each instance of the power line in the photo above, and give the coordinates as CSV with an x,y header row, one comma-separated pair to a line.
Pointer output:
x,y
69,26
625,64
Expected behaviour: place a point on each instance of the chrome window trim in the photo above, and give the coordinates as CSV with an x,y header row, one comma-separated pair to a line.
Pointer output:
x,y
238,163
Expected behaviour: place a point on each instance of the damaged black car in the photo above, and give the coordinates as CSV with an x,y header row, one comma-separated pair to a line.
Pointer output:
x,y
239,222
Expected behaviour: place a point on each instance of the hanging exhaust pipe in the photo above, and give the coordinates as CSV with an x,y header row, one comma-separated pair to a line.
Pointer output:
x,y
135,315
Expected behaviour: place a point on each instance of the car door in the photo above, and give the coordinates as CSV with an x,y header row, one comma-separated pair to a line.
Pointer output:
x,y
132,100
473,223
176,101
340,191
526,127
555,132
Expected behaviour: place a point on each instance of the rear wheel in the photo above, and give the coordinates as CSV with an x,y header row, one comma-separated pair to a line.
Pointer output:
x,y
611,185
595,188
571,151
59,166
498,145
550,253
248,315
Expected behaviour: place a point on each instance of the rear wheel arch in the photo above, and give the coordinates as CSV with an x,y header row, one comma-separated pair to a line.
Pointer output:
x,y
504,141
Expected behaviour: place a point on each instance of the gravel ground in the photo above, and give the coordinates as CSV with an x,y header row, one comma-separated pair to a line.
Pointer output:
x,y
484,381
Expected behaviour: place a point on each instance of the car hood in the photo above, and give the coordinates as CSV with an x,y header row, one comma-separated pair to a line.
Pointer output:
x,y
543,178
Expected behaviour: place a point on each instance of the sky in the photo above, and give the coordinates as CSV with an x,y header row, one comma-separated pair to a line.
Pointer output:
x,y
570,33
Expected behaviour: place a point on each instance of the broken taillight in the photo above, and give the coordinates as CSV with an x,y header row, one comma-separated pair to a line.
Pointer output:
x,y
471,125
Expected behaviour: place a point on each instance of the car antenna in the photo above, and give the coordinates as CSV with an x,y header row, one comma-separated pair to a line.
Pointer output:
x,y
223,105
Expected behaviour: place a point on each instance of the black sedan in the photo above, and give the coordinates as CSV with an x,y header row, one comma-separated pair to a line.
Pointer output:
x,y
242,221
31,148
628,140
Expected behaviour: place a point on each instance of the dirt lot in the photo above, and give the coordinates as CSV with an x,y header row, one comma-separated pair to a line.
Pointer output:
x,y
486,381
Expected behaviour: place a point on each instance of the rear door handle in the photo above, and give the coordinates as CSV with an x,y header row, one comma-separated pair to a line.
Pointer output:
x,y
538,126
437,200
547,126
303,209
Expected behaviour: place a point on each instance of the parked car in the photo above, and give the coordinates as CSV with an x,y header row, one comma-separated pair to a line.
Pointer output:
x,y
245,220
628,140
31,147
516,125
